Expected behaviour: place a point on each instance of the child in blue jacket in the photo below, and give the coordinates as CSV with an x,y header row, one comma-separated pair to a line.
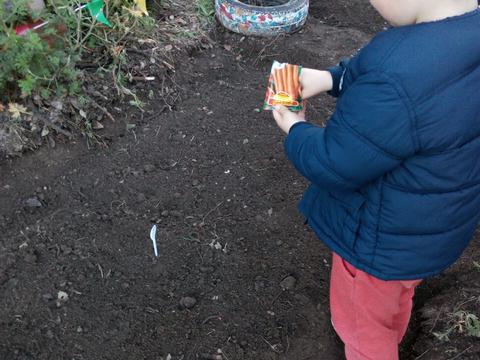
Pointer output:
x,y
395,174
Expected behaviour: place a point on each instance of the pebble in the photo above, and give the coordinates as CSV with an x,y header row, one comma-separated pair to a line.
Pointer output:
x,y
206,269
33,202
66,249
141,198
3,277
188,302
31,258
259,283
149,168
47,297
176,213
12,283
195,182
62,296
164,213
288,283
79,330
50,334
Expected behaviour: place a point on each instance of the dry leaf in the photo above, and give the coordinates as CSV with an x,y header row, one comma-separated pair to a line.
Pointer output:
x,y
16,110
134,12
97,125
2,107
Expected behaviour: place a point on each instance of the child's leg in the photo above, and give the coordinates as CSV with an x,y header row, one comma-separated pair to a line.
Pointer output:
x,y
401,320
370,315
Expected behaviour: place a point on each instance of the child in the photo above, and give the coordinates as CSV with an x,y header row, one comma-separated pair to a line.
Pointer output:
x,y
395,175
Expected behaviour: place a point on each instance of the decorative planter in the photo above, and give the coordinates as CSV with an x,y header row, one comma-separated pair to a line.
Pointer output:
x,y
262,20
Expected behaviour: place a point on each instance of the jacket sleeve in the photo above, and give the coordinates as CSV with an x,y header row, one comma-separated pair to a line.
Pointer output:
x,y
340,80
369,134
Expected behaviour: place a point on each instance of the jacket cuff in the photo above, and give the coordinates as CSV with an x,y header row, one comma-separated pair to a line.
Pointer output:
x,y
337,73
294,137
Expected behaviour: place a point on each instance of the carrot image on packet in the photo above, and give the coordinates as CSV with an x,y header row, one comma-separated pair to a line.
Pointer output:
x,y
284,87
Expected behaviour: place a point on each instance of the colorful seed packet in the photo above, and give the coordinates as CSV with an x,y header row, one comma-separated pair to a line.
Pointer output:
x,y
284,87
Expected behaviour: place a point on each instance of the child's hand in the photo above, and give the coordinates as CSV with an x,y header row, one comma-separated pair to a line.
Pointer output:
x,y
314,82
286,119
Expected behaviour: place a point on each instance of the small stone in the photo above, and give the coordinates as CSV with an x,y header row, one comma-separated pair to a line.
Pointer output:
x,y
279,242
288,283
3,277
62,296
12,283
302,299
49,334
79,329
47,297
66,249
259,283
188,302
148,168
33,202
258,218
125,286
164,213
177,195
195,182
206,269
176,213
31,258
141,198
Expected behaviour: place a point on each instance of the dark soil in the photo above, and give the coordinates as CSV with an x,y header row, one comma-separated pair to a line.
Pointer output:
x,y
238,274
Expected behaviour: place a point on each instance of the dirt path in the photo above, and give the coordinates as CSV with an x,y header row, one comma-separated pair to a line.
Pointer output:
x,y
213,176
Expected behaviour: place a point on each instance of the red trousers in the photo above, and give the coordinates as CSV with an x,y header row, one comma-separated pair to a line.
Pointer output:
x,y
370,315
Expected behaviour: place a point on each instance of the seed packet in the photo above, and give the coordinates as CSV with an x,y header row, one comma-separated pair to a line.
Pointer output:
x,y
284,87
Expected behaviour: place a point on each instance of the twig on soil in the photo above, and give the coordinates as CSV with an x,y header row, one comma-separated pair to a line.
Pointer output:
x,y
273,347
210,211
265,48
218,317
210,357
436,319
101,271
421,355
158,113
463,352
277,297
142,78
474,298
105,111
57,128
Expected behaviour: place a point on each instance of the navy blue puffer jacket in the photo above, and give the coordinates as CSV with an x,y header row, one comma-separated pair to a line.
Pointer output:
x,y
395,175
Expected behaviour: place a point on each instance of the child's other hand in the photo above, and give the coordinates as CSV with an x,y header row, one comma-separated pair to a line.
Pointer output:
x,y
314,82
286,119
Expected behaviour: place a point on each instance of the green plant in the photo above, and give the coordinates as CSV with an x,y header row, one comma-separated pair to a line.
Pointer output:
x,y
206,8
35,63
463,322
44,62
